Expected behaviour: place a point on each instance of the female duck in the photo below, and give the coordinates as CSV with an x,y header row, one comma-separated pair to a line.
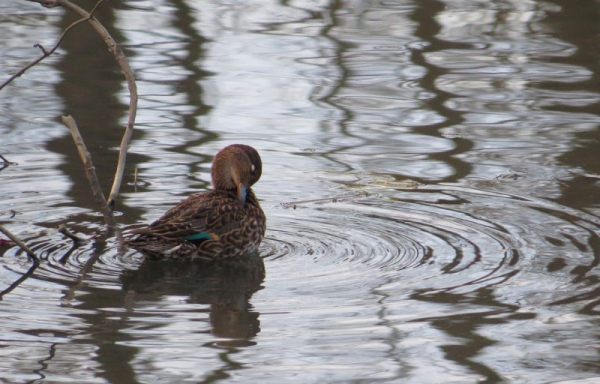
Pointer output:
x,y
223,223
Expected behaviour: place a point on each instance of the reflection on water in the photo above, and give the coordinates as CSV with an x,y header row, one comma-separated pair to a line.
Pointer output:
x,y
430,181
226,286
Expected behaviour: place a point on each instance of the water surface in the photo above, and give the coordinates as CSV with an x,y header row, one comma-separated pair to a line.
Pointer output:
x,y
431,182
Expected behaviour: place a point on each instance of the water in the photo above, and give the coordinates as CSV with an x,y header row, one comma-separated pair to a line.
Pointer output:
x,y
431,182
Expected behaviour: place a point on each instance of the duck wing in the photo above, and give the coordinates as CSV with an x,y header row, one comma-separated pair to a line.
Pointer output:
x,y
199,217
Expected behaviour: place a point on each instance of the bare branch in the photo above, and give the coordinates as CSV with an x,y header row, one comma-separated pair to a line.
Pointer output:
x,y
40,46
24,247
90,171
23,70
123,63
133,97
45,53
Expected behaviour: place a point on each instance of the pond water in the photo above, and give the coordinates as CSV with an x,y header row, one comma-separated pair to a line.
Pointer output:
x,y
431,181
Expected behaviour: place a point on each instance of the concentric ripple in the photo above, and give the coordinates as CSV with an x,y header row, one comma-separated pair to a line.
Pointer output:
x,y
441,237
98,262
391,265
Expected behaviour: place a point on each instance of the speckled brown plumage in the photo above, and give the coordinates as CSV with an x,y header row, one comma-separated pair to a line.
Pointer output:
x,y
222,223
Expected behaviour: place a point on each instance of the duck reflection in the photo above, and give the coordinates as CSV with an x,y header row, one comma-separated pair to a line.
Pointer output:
x,y
226,285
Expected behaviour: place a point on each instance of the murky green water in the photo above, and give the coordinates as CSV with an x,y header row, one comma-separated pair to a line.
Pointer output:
x,y
431,182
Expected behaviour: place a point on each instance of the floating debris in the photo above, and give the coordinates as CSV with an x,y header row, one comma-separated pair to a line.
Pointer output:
x,y
453,135
398,184
335,199
511,176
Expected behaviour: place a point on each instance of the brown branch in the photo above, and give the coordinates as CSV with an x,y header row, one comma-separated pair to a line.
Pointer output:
x,y
24,247
123,63
45,53
133,97
90,171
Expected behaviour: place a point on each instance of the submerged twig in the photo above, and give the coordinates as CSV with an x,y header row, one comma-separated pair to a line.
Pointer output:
x,y
6,162
63,260
90,171
63,229
29,252
24,247
21,279
99,248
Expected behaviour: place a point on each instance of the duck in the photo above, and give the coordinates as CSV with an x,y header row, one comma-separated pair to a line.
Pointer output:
x,y
223,223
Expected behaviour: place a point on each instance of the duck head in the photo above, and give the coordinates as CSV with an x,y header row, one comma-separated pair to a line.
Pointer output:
x,y
236,167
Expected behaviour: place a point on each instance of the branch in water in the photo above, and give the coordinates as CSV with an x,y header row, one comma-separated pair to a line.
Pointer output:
x,y
133,96
24,247
123,63
6,162
90,171
65,231
19,280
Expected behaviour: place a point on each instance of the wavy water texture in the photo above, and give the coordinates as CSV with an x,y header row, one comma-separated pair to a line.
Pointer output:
x,y
430,181
395,257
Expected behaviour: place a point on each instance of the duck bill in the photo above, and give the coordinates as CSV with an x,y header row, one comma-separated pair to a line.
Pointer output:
x,y
242,193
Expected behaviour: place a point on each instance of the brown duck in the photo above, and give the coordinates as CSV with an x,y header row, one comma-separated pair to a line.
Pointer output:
x,y
223,223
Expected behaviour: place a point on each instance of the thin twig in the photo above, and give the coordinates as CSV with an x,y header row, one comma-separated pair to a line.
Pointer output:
x,y
24,247
133,97
123,63
40,46
6,161
90,171
63,229
46,53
